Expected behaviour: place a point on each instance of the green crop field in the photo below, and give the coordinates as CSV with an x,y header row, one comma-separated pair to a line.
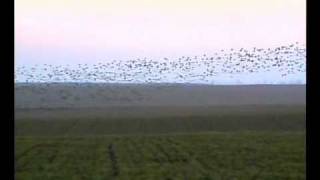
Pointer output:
x,y
229,146
241,155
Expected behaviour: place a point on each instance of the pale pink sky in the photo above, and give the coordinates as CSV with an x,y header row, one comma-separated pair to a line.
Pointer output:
x,y
75,31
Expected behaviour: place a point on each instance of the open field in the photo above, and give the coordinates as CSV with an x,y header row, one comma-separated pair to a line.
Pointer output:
x,y
93,95
241,155
132,122
254,133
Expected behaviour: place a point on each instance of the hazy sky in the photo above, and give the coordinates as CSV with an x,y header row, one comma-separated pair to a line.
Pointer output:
x,y
76,31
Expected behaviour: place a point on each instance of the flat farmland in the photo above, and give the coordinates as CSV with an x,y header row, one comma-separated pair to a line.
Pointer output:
x,y
169,139
220,155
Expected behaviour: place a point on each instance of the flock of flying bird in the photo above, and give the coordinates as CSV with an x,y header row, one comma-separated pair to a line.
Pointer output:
x,y
284,60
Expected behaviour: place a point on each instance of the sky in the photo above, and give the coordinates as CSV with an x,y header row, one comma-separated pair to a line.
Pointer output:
x,y
88,31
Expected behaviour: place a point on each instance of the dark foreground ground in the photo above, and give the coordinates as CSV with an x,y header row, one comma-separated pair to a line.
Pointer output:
x,y
170,139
